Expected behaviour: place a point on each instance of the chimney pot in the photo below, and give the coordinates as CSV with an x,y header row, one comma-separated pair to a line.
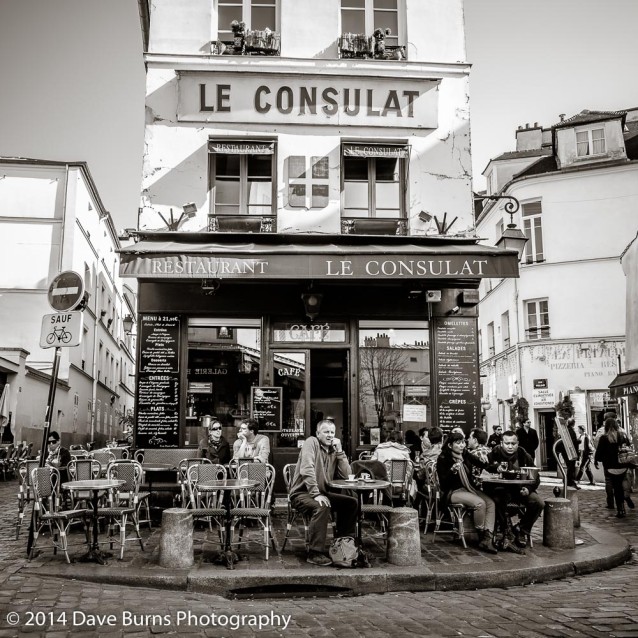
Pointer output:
x,y
562,117
535,124
526,124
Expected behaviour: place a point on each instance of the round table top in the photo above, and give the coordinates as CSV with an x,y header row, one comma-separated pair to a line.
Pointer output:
x,y
159,467
495,480
93,484
359,484
226,484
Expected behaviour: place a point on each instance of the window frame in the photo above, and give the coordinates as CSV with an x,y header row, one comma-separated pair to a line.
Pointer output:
x,y
372,182
491,342
505,330
309,182
589,131
541,330
244,209
393,40
226,35
532,224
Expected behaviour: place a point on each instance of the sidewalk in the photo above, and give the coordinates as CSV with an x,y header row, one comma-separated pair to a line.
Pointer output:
x,y
445,564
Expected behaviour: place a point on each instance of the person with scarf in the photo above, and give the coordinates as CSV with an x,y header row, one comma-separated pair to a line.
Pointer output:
x,y
515,457
454,469
214,446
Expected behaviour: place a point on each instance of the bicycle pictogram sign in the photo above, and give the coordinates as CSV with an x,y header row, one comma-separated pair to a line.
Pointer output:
x,y
61,330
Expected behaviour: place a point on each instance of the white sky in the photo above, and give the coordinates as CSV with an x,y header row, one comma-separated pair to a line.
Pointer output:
x,y
72,79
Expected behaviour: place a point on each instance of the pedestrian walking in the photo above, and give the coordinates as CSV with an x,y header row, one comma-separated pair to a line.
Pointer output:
x,y
586,453
607,454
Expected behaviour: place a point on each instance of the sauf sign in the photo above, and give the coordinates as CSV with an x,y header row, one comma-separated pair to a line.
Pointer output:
x,y
279,99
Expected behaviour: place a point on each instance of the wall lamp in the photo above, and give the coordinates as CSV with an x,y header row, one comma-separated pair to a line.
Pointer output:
x,y
312,304
127,324
513,238
188,212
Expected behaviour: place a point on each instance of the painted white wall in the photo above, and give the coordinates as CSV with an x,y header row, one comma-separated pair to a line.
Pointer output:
x,y
630,268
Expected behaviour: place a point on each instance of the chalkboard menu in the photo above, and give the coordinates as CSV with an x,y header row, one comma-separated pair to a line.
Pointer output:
x,y
456,360
265,407
157,423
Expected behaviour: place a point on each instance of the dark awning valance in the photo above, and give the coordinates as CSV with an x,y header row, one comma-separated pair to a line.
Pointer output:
x,y
233,147
183,258
375,150
624,384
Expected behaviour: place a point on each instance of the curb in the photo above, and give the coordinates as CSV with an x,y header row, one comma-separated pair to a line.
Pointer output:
x,y
611,550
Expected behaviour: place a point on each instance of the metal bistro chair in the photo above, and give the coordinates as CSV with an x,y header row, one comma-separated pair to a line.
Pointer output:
x,y
123,504
104,457
366,455
400,473
208,505
429,496
182,477
83,470
234,465
293,512
256,503
456,512
46,485
25,490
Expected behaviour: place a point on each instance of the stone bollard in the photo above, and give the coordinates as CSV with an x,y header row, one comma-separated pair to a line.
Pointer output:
x,y
572,495
176,539
558,524
404,539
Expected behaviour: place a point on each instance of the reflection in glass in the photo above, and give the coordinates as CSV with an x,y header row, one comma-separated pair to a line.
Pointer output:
x,y
394,369
290,374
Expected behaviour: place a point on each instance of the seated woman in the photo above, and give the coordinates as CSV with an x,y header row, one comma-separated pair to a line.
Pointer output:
x,y
213,445
391,449
454,469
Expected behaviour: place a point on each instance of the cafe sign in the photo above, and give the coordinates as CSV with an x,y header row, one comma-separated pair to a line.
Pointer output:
x,y
297,99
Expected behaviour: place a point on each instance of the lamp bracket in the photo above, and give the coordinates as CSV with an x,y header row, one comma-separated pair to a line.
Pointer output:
x,y
511,207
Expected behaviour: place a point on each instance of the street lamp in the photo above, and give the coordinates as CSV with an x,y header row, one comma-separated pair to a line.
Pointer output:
x,y
127,324
513,238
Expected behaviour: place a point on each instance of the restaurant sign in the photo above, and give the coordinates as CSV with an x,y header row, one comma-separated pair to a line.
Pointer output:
x,y
194,266
297,99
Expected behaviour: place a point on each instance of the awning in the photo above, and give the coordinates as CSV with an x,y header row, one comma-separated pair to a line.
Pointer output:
x,y
277,257
625,384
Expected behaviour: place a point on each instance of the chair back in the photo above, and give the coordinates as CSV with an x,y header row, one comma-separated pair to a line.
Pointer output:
x,y
103,456
186,464
84,469
235,464
289,473
24,473
261,495
26,452
400,475
131,473
200,472
46,485
366,455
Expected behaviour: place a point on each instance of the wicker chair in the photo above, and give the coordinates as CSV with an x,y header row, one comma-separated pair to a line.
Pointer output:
x,y
206,504
182,477
25,490
293,512
456,512
83,470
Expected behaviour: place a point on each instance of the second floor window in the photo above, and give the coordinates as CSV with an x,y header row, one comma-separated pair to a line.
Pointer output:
x,y
257,14
533,229
242,177
537,319
590,142
505,330
372,181
490,339
364,16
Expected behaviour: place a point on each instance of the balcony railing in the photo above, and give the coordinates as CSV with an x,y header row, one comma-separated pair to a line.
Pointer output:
x,y
537,333
252,43
242,224
373,226
359,45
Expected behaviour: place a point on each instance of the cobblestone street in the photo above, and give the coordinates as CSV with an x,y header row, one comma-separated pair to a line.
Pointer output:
x,y
601,604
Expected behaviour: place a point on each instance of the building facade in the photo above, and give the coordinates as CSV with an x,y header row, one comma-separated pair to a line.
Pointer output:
x,y
560,328
306,230
52,220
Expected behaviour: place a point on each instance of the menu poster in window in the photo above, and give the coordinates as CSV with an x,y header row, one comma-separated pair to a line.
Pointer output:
x,y
456,359
265,407
159,347
157,423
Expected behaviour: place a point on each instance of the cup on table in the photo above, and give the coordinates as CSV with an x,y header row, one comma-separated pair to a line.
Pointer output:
x,y
351,477
365,476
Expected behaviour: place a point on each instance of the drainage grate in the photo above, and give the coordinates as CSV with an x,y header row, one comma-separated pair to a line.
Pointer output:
x,y
288,591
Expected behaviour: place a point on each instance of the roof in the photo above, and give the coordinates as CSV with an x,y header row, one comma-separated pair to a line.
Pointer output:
x,y
587,117
546,150
545,164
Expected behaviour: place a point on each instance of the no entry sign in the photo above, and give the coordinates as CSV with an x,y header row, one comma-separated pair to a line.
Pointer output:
x,y
66,291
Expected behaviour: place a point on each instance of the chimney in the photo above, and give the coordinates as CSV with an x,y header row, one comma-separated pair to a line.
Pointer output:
x,y
529,138
562,117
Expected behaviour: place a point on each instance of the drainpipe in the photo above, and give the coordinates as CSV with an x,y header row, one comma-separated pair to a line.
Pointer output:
x,y
518,340
95,350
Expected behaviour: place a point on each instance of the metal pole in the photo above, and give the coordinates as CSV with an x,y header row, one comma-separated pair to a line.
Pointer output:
x,y
47,430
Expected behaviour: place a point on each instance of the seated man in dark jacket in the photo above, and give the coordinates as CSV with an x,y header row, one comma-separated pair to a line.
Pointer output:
x,y
516,457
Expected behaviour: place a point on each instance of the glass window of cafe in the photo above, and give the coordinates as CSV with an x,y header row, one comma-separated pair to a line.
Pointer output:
x,y
394,378
223,364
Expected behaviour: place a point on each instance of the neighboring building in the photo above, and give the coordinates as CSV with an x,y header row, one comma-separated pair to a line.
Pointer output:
x,y
305,191
560,328
52,220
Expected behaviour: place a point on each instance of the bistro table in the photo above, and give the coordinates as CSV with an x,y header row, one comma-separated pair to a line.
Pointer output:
x,y
96,486
359,486
228,486
504,539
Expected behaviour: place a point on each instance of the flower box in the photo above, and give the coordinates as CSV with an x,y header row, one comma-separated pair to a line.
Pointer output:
x,y
266,41
355,45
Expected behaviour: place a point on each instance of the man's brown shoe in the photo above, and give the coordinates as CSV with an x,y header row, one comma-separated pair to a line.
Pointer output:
x,y
315,558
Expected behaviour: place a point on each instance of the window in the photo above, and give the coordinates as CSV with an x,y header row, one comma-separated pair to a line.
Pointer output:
x,y
490,339
533,229
308,187
537,317
257,14
364,16
372,181
500,227
480,345
242,177
590,142
505,330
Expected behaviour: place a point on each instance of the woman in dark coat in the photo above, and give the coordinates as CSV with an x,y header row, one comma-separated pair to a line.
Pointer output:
x,y
607,454
454,469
